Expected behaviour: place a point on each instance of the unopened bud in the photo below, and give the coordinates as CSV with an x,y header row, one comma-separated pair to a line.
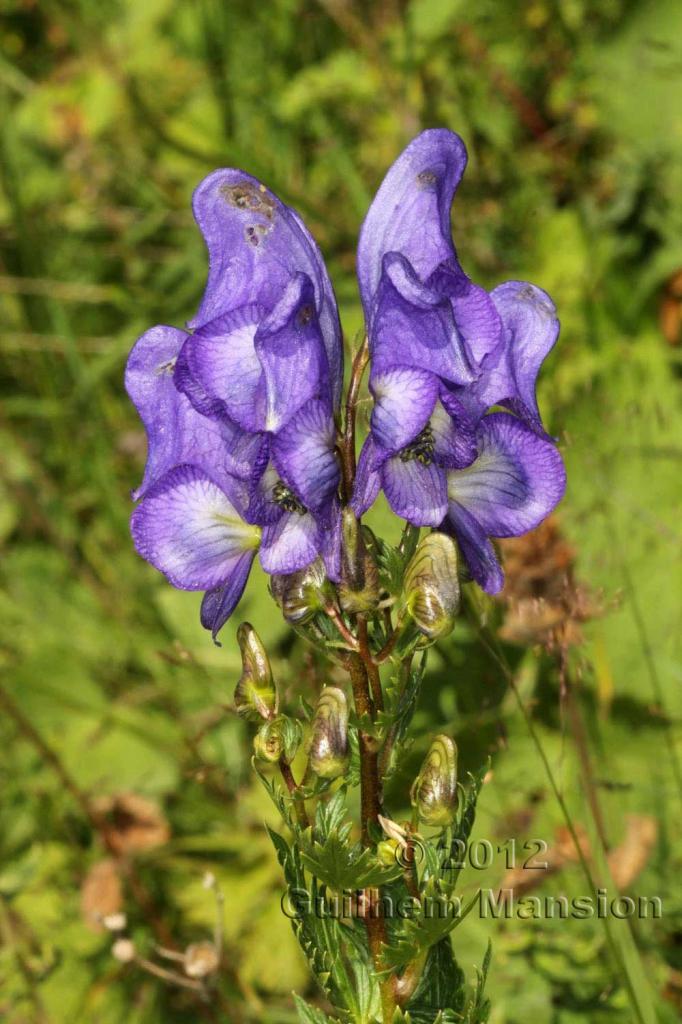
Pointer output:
x,y
303,594
201,959
124,950
359,587
329,752
434,792
388,852
278,739
255,697
431,585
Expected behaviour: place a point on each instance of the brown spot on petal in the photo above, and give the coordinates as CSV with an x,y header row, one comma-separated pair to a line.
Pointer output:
x,y
255,233
248,197
427,178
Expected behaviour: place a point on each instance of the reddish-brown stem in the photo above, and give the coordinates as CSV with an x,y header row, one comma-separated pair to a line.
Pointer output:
x,y
370,665
360,361
388,648
294,792
370,808
342,627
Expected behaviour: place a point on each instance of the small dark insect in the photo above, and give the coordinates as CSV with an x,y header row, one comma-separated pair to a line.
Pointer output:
x,y
286,500
421,448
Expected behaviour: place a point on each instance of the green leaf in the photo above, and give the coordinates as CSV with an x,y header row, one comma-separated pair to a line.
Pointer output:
x,y
437,917
478,1009
308,1014
340,865
441,984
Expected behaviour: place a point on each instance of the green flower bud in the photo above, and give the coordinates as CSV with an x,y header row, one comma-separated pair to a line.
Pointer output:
x,y
329,752
359,587
278,740
255,697
388,852
303,594
434,792
431,585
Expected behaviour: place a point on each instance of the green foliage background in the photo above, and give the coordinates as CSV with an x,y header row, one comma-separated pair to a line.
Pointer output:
x,y
111,113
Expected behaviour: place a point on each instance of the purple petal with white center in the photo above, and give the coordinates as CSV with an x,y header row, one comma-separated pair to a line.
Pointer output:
x,y
476,548
176,433
410,213
454,438
415,491
414,325
531,329
289,346
304,455
289,544
190,530
403,401
221,373
367,478
217,605
255,244
516,481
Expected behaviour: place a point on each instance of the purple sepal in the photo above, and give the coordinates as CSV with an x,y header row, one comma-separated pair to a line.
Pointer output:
x,y
217,605
255,245
410,213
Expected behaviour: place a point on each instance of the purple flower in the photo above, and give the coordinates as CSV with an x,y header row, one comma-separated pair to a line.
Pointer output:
x,y
240,413
443,352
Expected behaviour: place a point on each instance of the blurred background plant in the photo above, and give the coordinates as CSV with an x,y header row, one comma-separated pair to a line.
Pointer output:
x,y
123,778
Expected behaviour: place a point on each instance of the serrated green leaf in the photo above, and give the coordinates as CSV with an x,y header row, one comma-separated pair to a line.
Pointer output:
x,y
438,916
340,865
308,1014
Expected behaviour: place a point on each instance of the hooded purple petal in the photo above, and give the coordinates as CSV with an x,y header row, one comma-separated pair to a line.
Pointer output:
x,y
414,325
367,478
255,245
190,530
289,346
403,401
516,481
415,491
410,213
176,433
477,550
304,454
217,605
289,544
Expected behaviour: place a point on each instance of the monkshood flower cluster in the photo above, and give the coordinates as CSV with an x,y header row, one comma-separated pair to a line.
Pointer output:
x,y
241,411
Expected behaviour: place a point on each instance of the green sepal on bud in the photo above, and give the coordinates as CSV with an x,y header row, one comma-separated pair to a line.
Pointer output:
x,y
301,595
329,749
255,696
434,791
278,740
431,585
359,587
